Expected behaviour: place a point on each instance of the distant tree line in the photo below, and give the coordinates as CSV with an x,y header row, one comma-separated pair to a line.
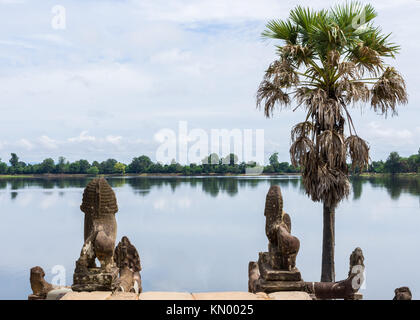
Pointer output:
x,y
396,164
213,164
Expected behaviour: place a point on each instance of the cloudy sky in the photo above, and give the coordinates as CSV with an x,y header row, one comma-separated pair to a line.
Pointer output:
x,y
123,70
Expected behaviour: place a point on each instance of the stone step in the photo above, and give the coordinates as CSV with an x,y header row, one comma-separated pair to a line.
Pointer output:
x,y
159,295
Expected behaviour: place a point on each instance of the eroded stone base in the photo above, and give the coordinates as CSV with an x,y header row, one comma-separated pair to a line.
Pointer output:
x,y
270,274
95,279
276,286
263,278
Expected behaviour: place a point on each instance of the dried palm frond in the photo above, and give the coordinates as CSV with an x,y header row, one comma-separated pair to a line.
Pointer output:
x,y
271,94
388,91
326,184
352,91
347,68
333,58
282,74
366,58
299,54
299,151
326,112
331,148
303,129
358,151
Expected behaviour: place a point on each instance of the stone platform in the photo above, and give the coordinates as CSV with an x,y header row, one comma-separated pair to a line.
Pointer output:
x,y
94,279
154,295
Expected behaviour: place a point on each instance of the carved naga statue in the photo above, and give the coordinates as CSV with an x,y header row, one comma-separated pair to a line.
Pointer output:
x,y
402,293
99,205
39,286
276,269
282,247
127,260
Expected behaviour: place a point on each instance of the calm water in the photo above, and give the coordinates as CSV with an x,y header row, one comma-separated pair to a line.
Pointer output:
x,y
198,234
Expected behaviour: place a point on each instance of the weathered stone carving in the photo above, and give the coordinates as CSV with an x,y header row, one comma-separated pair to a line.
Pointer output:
x,y
40,287
127,260
345,289
402,293
100,230
276,269
356,259
282,246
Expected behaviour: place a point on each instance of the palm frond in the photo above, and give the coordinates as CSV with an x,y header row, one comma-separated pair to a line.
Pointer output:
x,y
271,95
389,91
358,151
282,30
303,129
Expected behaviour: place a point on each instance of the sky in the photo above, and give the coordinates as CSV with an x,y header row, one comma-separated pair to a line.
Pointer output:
x,y
121,71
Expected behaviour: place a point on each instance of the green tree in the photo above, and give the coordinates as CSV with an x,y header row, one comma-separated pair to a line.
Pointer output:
x,y
74,167
140,164
327,61
3,167
61,165
84,166
93,170
47,166
14,160
119,168
274,161
108,166
231,159
393,163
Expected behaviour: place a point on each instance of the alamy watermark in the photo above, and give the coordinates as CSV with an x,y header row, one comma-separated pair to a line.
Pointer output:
x,y
59,278
202,147
58,21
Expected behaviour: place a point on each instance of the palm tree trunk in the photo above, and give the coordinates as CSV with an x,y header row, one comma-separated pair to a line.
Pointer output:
x,y
328,243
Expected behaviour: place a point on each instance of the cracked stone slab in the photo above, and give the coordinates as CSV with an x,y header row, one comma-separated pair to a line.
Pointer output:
x,y
289,295
236,295
156,295
94,295
124,296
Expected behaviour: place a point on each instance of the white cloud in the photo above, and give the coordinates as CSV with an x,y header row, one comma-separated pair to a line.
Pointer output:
x,y
52,38
134,67
113,139
394,136
171,56
83,136
25,144
11,1
47,142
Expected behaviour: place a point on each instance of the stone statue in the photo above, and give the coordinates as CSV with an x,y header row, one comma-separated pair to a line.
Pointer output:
x,y
276,269
40,287
402,293
100,230
127,260
345,289
282,247
356,259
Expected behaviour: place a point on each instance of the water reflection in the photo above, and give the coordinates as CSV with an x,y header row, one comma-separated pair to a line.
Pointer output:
x,y
394,185
199,233
213,186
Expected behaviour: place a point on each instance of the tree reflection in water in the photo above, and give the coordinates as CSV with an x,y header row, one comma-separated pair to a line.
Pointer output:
x,y
394,185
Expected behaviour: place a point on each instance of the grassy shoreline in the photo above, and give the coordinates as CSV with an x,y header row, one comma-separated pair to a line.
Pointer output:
x,y
79,175
383,175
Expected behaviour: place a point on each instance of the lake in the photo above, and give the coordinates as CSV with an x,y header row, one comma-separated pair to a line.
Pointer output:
x,y
198,234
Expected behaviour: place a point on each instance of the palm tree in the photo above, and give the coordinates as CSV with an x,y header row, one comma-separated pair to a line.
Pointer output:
x,y
328,61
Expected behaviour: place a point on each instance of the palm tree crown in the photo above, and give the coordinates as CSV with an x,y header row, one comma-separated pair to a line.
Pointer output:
x,y
329,60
